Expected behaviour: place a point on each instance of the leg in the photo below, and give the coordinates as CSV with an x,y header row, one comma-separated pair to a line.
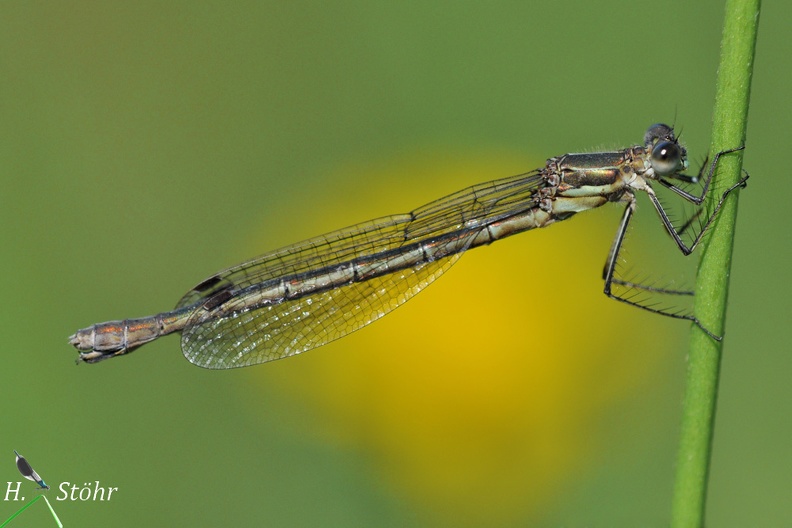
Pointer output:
x,y
610,269
698,200
676,234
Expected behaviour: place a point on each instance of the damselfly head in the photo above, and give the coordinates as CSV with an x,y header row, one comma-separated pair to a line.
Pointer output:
x,y
667,156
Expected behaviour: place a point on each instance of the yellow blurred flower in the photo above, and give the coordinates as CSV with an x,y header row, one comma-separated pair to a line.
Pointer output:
x,y
478,400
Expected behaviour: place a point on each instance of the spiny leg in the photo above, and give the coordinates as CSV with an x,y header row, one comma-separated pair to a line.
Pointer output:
x,y
698,200
675,233
610,280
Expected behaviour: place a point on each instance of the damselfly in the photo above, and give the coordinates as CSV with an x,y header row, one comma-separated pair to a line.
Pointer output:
x,y
28,472
313,292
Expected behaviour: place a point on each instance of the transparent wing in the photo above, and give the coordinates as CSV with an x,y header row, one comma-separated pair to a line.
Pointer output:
x,y
291,326
288,328
477,205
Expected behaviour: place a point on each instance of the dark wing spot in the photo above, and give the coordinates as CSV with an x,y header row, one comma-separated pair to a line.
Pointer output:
x,y
218,298
207,284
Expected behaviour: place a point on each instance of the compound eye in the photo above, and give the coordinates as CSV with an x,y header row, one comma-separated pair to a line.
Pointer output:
x,y
658,131
666,158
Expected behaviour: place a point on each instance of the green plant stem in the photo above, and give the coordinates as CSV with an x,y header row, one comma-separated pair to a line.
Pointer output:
x,y
20,510
728,131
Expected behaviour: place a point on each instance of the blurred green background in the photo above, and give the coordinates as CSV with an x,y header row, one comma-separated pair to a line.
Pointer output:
x,y
146,145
